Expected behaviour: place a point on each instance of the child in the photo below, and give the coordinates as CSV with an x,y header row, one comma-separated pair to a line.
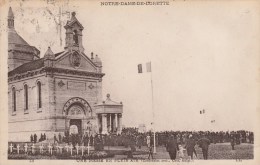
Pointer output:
x,y
181,152
150,154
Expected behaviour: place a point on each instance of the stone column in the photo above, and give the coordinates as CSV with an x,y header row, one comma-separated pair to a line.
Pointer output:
x,y
104,123
116,120
110,122
97,124
67,125
119,123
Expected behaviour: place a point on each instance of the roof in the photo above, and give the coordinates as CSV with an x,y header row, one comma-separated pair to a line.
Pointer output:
x,y
73,20
10,13
33,65
15,41
49,54
108,101
57,54
14,38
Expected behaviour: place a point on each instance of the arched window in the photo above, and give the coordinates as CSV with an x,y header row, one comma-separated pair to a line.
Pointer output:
x,y
75,36
14,99
25,97
39,94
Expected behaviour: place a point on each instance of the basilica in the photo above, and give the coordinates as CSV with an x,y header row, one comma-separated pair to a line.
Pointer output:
x,y
60,92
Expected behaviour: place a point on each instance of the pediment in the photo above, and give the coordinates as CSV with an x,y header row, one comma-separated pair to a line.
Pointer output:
x,y
75,25
75,61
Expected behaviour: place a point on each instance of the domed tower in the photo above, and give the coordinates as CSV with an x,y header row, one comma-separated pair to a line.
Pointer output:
x,y
19,51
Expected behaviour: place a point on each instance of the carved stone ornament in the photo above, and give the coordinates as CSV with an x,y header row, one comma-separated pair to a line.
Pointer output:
x,y
75,110
61,83
76,100
91,86
75,59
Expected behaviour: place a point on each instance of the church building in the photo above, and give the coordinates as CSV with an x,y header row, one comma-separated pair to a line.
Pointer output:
x,y
59,91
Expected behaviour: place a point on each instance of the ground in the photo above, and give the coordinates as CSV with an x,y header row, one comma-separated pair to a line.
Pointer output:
x,y
216,151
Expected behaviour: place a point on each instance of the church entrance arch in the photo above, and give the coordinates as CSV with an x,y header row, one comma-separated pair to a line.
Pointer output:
x,y
77,113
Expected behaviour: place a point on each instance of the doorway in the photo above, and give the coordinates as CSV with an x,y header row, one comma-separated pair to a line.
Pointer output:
x,y
78,123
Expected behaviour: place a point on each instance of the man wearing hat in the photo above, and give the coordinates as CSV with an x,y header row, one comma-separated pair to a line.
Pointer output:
x,y
190,146
172,147
204,145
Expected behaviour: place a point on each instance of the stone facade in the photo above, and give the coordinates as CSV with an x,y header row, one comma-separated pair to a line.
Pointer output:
x,y
50,94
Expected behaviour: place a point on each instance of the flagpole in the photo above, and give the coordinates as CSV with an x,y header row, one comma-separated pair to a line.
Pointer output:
x,y
154,143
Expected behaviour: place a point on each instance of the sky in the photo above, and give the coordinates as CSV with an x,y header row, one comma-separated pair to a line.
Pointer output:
x,y
203,56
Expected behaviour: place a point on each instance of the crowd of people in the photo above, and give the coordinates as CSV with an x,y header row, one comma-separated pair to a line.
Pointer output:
x,y
33,138
174,141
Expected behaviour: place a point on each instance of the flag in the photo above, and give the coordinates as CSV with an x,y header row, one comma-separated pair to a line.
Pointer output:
x,y
140,68
202,112
148,67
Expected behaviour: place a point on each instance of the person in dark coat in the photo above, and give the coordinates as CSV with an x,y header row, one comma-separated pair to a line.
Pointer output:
x,y
190,146
86,140
31,138
232,142
172,147
35,138
91,140
55,139
44,136
204,145
60,140
150,152
139,141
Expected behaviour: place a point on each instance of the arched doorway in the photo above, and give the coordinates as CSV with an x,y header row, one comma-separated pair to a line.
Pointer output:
x,y
77,113
75,116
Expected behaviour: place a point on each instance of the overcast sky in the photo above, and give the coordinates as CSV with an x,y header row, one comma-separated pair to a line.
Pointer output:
x,y
204,56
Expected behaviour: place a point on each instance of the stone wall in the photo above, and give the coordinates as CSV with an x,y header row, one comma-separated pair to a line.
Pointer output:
x,y
67,87
34,119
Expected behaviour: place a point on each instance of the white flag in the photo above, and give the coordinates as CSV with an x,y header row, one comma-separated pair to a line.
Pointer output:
x,y
148,67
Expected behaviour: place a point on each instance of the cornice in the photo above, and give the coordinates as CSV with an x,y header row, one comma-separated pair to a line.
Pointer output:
x,y
51,70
